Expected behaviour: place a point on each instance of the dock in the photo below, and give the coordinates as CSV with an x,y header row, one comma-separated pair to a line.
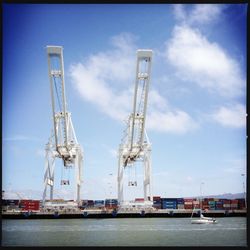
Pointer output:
x,y
88,214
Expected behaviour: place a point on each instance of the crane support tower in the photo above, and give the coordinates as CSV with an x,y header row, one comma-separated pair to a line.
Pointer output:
x,y
62,142
135,145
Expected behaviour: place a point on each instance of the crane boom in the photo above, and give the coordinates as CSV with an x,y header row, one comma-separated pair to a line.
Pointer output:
x,y
56,76
136,123
135,145
142,79
63,142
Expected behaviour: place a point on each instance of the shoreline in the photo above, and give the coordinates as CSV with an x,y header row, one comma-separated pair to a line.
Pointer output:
x,y
85,214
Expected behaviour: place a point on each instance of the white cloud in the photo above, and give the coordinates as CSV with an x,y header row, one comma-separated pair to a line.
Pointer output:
x,y
20,138
171,121
199,14
106,80
204,62
232,116
100,78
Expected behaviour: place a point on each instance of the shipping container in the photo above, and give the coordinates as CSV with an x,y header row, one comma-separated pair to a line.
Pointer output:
x,y
187,206
180,201
188,203
210,199
165,206
188,199
225,201
98,201
205,207
180,206
139,199
111,206
169,202
234,201
109,202
10,202
156,198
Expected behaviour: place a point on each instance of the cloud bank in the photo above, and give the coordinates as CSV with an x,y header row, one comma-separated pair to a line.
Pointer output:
x,y
203,62
232,116
106,80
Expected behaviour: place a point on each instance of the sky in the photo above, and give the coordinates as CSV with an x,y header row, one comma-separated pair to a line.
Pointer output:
x,y
196,116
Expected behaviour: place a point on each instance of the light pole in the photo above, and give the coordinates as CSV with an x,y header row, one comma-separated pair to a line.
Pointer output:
x,y
245,197
201,196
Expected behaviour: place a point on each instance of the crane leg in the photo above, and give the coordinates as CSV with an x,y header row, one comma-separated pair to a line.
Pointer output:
x,y
120,180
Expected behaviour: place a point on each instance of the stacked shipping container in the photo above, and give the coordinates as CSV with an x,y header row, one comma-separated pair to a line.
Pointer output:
x,y
29,205
157,202
180,203
168,203
111,203
188,203
99,203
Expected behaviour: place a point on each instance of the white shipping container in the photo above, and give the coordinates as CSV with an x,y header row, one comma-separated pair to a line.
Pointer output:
x,y
196,202
180,206
234,205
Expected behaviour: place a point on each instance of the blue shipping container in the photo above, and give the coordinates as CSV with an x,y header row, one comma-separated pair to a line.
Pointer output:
x,y
99,201
169,199
111,201
169,207
156,202
169,202
180,201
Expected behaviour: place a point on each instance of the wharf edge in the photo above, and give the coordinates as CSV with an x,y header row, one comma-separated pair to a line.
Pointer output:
x,y
116,214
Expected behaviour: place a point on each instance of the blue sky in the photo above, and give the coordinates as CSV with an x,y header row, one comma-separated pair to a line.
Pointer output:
x,y
197,99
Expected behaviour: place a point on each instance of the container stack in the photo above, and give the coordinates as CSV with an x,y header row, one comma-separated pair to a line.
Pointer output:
x,y
188,203
139,199
169,203
180,203
157,202
90,203
241,204
196,203
211,204
219,204
226,204
99,203
111,203
234,204
204,204
29,205
83,204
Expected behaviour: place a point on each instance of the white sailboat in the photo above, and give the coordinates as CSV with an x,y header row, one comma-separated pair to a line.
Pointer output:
x,y
202,219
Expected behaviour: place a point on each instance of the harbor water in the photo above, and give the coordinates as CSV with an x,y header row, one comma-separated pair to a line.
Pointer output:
x,y
230,231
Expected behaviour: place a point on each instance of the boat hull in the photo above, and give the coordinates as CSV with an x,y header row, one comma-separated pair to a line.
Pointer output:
x,y
203,221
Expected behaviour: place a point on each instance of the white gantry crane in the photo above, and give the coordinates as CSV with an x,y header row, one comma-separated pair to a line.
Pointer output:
x,y
62,142
135,145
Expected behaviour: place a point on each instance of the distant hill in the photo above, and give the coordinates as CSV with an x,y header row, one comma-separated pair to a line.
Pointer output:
x,y
225,196
228,196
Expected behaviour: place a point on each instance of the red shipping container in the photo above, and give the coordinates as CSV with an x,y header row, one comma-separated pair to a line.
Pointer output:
x,y
234,201
188,206
205,207
139,199
155,198
210,199
188,200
